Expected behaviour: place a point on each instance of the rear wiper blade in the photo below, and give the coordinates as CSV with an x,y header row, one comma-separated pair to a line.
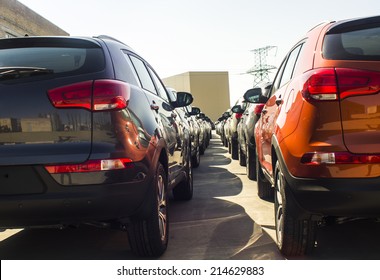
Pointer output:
x,y
22,72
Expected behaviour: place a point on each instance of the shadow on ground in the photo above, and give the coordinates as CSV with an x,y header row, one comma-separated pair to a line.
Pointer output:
x,y
207,227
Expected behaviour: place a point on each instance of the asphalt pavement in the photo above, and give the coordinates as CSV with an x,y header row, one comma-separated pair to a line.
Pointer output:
x,y
225,219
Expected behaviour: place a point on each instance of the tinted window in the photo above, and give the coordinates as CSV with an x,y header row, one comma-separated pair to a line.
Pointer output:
x,y
360,44
266,89
62,56
142,72
277,79
124,68
58,60
172,94
160,88
289,67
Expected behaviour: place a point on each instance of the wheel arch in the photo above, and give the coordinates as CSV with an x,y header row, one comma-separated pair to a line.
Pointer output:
x,y
294,207
276,155
163,159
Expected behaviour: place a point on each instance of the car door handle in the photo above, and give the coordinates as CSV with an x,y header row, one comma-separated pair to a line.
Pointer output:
x,y
278,100
154,106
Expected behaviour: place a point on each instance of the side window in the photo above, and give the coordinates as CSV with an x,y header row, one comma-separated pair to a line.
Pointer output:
x,y
243,105
134,79
142,72
277,79
172,94
266,89
160,88
289,67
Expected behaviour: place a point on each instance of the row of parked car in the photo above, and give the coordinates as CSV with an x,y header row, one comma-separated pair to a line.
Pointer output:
x,y
199,125
90,135
311,138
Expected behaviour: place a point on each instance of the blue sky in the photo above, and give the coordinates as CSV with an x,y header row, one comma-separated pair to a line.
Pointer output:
x,y
177,36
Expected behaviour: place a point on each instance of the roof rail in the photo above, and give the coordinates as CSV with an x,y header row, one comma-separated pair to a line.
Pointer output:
x,y
109,38
322,22
113,39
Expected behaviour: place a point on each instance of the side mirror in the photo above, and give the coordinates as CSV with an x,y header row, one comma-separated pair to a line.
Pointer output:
x,y
183,99
237,109
226,115
258,94
195,111
253,95
201,116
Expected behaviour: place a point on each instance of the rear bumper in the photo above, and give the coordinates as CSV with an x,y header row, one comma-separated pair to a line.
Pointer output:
x,y
328,196
63,204
358,197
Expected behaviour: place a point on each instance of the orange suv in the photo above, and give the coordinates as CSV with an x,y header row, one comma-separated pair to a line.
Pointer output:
x,y
318,139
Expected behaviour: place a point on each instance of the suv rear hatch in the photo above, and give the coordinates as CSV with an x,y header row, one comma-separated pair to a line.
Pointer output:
x,y
355,46
32,129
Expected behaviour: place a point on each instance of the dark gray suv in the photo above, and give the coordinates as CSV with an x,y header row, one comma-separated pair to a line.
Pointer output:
x,y
87,135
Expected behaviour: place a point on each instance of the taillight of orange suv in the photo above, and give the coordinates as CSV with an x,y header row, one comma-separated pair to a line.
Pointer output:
x,y
319,158
337,84
327,84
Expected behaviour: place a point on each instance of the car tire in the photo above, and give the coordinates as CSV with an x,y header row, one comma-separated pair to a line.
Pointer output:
x,y
294,236
250,163
202,148
148,237
196,159
242,158
184,190
264,188
234,149
207,140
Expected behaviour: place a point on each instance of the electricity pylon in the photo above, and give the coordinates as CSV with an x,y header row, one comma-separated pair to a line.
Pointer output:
x,y
261,69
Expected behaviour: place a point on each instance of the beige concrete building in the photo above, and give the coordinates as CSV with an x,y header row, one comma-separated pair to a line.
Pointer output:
x,y
17,20
210,90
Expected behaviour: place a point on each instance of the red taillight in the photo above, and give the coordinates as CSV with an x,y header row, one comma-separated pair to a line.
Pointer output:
x,y
98,95
331,84
357,82
339,158
90,166
321,85
258,108
75,95
238,116
110,94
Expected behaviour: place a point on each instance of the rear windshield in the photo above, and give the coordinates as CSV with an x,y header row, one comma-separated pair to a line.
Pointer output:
x,y
24,60
362,44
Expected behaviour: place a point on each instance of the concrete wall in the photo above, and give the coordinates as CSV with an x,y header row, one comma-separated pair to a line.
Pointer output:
x,y
180,82
210,90
17,20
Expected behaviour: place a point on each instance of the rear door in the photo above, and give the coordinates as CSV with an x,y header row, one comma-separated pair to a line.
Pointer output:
x,y
163,111
32,130
271,120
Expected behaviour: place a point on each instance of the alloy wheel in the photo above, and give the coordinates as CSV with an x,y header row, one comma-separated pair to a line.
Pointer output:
x,y
279,210
162,207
